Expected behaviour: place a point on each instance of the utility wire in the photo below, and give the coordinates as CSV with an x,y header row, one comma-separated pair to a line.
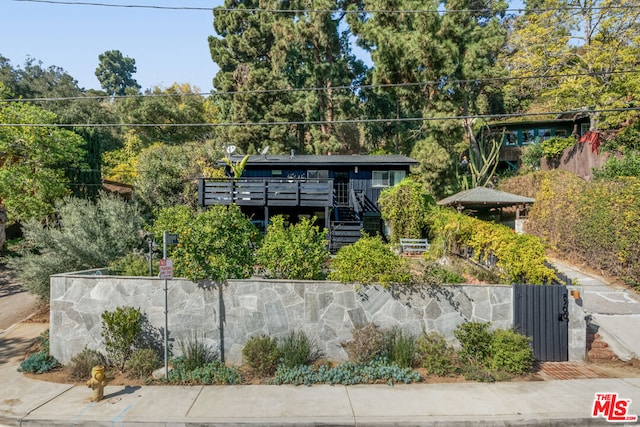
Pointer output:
x,y
317,122
302,11
321,89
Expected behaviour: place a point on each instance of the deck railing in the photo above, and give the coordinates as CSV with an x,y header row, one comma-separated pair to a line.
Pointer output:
x,y
265,192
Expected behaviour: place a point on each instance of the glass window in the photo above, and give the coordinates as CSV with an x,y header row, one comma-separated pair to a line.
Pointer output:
x,y
562,133
544,134
387,178
528,136
511,137
380,178
317,174
584,128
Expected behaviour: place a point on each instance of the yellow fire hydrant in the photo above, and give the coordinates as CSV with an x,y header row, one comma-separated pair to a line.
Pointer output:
x,y
97,382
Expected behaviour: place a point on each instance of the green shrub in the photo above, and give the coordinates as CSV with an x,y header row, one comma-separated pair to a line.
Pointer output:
x,y
475,339
376,370
142,363
86,235
435,355
79,367
369,261
553,147
38,363
614,167
121,330
404,207
261,354
195,353
133,264
399,347
511,352
214,372
531,156
297,349
298,251
367,343
435,275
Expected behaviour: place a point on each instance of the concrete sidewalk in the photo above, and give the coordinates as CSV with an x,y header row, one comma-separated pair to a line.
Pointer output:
x,y
29,402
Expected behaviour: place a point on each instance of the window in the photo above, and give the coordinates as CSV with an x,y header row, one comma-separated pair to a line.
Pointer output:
x,y
544,134
584,128
528,136
511,137
317,174
387,178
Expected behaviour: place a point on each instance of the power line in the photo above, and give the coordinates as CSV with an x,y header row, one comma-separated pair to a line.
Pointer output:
x,y
317,122
320,89
302,11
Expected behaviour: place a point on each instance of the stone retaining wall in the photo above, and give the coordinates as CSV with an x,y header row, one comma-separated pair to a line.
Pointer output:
x,y
326,311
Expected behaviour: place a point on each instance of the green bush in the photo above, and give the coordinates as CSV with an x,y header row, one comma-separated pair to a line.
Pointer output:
x,y
369,261
399,347
404,207
121,330
261,354
614,167
435,355
79,367
40,361
133,264
195,353
553,147
297,349
85,236
531,156
214,372
298,251
367,343
475,340
376,370
142,363
218,245
511,352
435,275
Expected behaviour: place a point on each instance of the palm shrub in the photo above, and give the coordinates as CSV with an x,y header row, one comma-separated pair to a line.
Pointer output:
x,y
261,354
369,261
297,251
84,235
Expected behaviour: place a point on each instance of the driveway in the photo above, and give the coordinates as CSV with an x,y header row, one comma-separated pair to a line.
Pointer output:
x,y
614,310
16,304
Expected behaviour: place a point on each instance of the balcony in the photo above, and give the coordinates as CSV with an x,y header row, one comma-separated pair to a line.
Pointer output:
x,y
265,192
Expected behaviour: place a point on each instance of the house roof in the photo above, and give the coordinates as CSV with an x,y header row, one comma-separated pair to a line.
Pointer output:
x,y
274,160
484,197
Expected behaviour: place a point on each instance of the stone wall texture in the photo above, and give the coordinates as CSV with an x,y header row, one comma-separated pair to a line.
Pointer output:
x,y
326,311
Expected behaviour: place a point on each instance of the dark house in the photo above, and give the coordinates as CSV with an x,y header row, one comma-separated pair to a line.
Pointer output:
x,y
340,190
520,134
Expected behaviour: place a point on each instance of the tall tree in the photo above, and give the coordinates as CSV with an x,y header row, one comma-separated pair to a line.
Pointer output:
x,y
584,53
115,72
33,161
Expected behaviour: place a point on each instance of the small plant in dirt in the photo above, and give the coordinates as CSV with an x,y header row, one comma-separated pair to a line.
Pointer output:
x,y
435,355
214,372
349,373
475,340
79,368
261,354
195,353
399,347
142,363
367,343
435,274
41,360
511,352
121,330
297,349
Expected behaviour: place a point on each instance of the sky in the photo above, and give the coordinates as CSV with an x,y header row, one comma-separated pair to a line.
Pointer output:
x,y
168,45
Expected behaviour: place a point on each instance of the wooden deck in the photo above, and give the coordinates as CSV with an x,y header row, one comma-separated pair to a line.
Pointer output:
x,y
266,192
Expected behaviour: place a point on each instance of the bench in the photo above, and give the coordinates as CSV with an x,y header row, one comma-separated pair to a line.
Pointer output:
x,y
414,246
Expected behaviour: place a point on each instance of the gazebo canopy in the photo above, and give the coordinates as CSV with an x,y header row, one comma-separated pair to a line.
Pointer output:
x,y
484,198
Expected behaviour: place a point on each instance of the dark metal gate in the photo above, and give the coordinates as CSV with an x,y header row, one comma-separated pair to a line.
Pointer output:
x,y
542,313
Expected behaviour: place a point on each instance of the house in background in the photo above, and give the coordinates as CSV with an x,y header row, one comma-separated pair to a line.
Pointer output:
x,y
519,134
342,191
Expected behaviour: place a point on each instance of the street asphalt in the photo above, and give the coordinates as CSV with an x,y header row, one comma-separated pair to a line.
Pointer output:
x,y
29,402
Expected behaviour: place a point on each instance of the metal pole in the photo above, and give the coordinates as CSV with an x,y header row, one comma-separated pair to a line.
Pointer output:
x,y
150,256
166,309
